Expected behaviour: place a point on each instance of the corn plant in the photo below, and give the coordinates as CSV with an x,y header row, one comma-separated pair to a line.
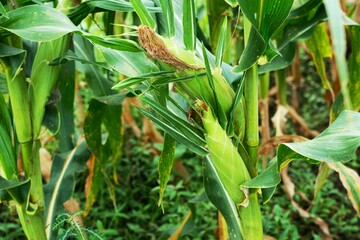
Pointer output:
x,y
222,113
201,83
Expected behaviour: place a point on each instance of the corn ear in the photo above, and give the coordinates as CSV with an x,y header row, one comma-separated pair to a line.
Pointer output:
x,y
198,88
43,77
227,161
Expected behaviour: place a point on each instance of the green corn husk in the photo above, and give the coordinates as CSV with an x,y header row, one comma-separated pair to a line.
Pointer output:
x,y
198,88
227,161
43,77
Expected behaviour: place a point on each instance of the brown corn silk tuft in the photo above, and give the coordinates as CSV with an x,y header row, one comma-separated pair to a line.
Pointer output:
x,y
156,48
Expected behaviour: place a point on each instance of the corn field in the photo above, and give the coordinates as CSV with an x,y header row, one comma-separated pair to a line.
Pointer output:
x,y
203,72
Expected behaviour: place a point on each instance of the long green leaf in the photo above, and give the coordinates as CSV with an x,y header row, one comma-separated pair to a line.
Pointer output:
x,y
337,143
130,64
266,17
165,165
218,196
109,116
351,181
85,8
320,48
189,24
143,13
168,11
7,155
62,182
37,23
19,191
338,36
222,44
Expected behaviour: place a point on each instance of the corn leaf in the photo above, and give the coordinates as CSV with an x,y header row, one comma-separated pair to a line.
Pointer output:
x,y
62,182
165,165
2,10
219,111
194,135
324,172
168,11
143,13
66,85
17,57
37,23
130,64
114,43
266,17
94,76
105,148
221,43
189,24
320,48
171,129
71,56
337,143
354,68
85,8
44,77
338,37
218,196
7,155
5,118
19,191
351,181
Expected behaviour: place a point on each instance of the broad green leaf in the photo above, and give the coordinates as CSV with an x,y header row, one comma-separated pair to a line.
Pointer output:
x,y
143,13
351,181
51,119
16,57
130,64
266,180
37,23
94,75
301,26
8,165
62,182
168,11
218,196
66,85
266,17
270,177
19,191
189,24
338,37
165,165
337,143
80,12
105,148
251,54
